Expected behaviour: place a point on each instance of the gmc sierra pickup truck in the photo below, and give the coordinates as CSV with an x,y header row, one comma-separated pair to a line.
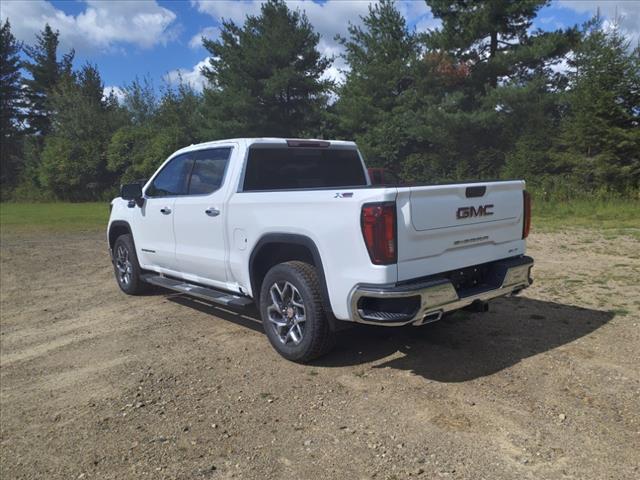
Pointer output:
x,y
296,227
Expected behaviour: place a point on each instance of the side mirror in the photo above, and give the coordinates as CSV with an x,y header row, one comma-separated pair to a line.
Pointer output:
x,y
133,193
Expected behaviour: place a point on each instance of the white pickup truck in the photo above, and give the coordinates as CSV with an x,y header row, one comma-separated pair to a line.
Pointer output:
x,y
297,227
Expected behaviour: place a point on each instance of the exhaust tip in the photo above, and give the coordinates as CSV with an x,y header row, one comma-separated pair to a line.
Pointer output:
x,y
430,318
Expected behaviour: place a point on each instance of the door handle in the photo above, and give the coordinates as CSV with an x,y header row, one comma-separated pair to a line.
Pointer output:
x,y
212,212
165,210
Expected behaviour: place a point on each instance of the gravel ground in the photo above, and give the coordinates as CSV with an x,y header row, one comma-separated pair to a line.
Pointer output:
x,y
95,384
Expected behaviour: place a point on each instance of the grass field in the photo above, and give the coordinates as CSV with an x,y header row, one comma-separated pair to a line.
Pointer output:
x,y
53,216
596,214
614,216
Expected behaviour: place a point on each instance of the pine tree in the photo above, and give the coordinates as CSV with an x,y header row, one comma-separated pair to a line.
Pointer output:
x,y
494,37
266,76
600,141
45,71
508,66
11,104
376,101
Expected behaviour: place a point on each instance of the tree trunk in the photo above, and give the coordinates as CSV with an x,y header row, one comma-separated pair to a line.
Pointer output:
x,y
493,48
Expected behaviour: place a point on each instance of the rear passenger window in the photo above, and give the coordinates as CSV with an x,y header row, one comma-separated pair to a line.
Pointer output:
x,y
284,168
208,171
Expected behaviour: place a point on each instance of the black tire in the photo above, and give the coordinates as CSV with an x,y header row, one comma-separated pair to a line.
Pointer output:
x,y
127,274
317,337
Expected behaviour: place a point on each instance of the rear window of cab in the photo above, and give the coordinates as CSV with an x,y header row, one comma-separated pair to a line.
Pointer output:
x,y
290,168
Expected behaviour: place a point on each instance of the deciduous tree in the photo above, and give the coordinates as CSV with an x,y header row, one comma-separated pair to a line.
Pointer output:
x,y
75,153
138,148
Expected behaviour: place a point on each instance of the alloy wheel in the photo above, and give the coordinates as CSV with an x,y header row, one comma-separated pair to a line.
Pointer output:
x,y
286,313
124,266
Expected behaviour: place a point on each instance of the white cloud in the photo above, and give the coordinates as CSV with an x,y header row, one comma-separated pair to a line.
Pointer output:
x,y
234,10
117,92
208,32
626,14
100,26
191,77
329,19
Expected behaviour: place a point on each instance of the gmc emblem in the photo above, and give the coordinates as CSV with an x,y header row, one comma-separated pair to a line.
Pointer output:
x,y
481,211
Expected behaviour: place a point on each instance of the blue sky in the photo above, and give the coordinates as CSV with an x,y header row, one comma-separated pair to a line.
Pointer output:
x,y
160,39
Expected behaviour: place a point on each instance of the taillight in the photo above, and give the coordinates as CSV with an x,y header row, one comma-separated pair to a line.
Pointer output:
x,y
526,224
378,223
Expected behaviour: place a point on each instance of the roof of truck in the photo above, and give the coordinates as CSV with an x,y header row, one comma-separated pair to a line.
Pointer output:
x,y
270,140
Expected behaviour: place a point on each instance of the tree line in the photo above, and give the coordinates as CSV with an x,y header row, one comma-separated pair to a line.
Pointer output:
x,y
484,96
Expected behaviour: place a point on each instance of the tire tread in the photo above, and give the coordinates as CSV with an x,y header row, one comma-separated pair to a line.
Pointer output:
x,y
138,286
323,342
323,338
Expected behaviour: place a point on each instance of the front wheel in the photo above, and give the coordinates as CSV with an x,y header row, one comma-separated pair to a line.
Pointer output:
x,y
126,266
292,312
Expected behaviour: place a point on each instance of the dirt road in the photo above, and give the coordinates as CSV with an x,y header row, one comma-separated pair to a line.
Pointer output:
x,y
95,384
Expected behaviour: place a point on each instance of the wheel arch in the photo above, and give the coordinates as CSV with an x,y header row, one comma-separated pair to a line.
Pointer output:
x,y
275,248
116,229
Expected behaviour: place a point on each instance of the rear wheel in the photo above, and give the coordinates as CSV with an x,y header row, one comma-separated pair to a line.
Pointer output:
x,y
292,312
126,266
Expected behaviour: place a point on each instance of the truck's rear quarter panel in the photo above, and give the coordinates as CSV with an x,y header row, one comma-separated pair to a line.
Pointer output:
x,y
329,218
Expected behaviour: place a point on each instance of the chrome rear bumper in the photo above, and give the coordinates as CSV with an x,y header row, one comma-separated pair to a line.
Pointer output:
x,y
439,296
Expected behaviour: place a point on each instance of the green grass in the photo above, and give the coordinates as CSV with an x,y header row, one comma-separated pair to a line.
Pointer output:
x,y
53,216
616,216
612,217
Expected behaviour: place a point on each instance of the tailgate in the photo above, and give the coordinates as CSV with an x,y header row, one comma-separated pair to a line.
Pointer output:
x,y
445,227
